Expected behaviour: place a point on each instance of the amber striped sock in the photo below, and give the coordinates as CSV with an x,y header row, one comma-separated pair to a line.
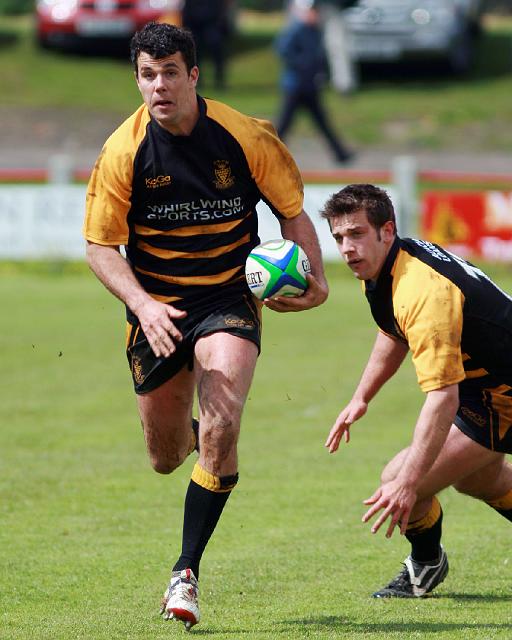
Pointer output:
x,y
206,496
424,534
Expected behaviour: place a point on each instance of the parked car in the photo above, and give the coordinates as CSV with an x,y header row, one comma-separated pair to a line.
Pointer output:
x,y
64,23
393,30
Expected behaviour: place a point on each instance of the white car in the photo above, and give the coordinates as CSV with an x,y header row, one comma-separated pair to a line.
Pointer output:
x,y
393,30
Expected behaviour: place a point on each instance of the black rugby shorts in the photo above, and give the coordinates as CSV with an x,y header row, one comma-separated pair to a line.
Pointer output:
x,y
485,413
240,316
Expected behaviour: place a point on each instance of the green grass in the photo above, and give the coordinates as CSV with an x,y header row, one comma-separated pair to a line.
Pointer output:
x,y
89,532
404,108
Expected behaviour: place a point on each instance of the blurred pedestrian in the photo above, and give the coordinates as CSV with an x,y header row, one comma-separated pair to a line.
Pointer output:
x,y
300,46
210,23
343,71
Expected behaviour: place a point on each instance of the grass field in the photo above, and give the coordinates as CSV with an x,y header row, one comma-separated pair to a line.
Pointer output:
x,y
410,108
88,531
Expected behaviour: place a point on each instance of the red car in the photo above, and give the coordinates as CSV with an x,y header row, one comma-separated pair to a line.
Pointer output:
x,y
63,23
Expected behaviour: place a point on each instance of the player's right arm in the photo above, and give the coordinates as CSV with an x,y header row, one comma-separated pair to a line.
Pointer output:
x,y
109,199
156,318
386,357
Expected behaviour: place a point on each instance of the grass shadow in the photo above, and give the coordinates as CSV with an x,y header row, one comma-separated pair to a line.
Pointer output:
x,y
474,597
323,623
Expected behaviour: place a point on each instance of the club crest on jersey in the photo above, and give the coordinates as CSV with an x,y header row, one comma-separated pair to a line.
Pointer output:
x,y
224,177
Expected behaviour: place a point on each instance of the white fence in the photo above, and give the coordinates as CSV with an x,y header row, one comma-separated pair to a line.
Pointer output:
x,y
41,221
45,221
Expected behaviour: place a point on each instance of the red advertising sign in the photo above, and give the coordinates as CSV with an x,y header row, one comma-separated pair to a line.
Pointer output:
x,y
471,224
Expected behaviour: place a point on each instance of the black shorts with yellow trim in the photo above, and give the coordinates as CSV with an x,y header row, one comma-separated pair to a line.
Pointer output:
x,y
240,316
485,413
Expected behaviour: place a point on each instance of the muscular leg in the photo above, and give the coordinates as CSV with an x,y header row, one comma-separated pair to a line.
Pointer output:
x,y
460,458
469,467
492,484
489,482
224,368
166,415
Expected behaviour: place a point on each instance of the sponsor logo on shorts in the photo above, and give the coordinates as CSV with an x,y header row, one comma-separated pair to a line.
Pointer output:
x,y
158,181
240,323
474,417
138,374
223,176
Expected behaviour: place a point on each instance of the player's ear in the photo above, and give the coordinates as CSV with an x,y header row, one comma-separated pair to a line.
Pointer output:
x,y
136,76
387,231
194,75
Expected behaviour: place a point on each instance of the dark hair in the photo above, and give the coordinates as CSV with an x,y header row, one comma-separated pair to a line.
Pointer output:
x,y
374,201
160,40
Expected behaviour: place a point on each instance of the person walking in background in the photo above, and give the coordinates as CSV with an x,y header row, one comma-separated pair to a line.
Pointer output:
x,y
210,24
343,71
300,47
458,326
177,184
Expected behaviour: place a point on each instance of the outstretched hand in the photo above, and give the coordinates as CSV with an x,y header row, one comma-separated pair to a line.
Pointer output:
x,y
352,412
396,500
314,296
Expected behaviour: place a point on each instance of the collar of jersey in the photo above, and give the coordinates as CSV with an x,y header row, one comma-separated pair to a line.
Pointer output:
x,y
386,267
194,134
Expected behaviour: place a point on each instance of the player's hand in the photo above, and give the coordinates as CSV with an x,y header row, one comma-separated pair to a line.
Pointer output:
x,y
352,412
156,319
315,295
396,501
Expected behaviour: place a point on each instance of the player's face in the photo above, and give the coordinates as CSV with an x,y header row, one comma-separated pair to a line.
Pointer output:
x,y
360,245
169,91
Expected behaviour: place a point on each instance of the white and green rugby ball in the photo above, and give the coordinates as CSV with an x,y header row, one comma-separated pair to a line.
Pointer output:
x,y
277,268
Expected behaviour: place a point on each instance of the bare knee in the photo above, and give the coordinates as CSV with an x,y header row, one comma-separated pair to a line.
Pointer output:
x,y
167,449
167,464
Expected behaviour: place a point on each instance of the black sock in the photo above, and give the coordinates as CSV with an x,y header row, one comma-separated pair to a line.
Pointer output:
x,y
426,542
202,512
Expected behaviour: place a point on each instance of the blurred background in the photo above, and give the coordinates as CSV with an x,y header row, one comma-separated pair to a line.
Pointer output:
x,y
418,90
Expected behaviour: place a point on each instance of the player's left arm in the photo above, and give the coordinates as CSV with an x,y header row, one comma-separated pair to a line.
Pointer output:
x,y
397,497
429,311
301,230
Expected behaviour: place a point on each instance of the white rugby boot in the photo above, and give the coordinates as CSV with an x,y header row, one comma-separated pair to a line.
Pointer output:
x,y
180,601
416,579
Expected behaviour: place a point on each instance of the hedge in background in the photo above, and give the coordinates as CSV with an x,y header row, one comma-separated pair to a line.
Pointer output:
x,y
16,7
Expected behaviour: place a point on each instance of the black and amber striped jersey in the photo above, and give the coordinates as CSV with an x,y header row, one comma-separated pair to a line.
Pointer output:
x,y
184,206
455,320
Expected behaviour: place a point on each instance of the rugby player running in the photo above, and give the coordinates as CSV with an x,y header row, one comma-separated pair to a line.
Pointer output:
x,y
177,185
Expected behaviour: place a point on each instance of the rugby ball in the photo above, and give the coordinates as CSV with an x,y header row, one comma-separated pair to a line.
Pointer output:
x,y
277,268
